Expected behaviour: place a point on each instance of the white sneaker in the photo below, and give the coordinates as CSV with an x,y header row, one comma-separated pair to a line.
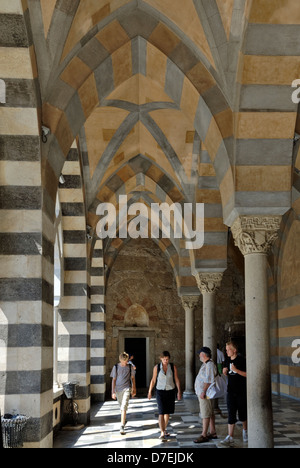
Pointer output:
x,y
245,435
228,442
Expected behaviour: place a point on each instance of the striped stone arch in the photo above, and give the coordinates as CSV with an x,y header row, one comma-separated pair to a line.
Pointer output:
x,y
26,237
141,171
135,18
182,91
171,247
98,80
178,175
285,308
296,167
155,179
124,180
266,121
74,308
284,290
217,151
213,255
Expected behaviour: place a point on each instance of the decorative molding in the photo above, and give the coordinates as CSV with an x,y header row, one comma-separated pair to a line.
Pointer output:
x,y
209,282
190,302
255,234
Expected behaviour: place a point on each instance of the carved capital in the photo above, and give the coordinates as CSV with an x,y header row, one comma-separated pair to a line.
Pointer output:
x,y
255,234
189,302
209,282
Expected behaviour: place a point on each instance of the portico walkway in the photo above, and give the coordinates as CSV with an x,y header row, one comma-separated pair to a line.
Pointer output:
x,y
142,428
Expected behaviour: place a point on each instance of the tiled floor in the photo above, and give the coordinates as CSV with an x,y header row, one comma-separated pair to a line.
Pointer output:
x,y
286,422
142,428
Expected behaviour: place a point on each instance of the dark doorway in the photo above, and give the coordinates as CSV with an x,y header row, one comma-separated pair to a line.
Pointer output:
x,y
137,347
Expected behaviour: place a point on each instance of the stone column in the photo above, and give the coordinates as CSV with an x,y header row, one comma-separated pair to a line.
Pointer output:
x,y
255,235
189,304
208,284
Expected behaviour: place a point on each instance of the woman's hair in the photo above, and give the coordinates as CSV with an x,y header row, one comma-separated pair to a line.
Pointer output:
x,y
233,344
165,354
124,357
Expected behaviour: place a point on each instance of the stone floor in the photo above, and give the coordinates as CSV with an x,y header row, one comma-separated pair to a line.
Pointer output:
x,y
185,426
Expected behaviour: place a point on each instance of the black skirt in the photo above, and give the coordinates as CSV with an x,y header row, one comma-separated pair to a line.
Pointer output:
x,y
166,401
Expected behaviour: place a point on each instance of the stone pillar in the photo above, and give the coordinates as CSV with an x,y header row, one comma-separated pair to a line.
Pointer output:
x,y
189,304
255,235
208,284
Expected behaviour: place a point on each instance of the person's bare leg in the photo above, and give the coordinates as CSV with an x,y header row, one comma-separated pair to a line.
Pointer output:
x,y
123,418
231,428
205,423
162,424
213,425
166,418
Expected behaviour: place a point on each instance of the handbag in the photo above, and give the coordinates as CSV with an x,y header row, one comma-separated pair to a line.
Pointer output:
x,y
218,389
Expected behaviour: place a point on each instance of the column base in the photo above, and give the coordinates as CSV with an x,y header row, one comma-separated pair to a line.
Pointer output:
x,y
189,394
191,401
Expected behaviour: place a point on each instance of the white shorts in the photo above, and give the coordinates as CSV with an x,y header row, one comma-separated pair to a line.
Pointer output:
x,y
123,399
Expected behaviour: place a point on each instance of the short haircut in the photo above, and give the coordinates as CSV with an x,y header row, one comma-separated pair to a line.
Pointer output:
x,y
124,357
165,354
233,344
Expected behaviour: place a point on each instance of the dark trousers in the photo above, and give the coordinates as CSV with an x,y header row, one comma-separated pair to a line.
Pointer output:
x,y
236,404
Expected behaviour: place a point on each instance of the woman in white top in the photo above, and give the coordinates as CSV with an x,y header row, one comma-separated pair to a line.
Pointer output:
x,y
165,378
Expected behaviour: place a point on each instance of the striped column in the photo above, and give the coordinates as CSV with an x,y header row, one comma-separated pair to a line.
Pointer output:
x,y
26,240
74,310
98,324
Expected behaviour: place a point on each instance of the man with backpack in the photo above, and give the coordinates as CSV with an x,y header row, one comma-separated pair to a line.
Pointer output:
x,y
165,379
123,386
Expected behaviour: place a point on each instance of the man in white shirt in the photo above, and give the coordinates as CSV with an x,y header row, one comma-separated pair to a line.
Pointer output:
x,y
204,380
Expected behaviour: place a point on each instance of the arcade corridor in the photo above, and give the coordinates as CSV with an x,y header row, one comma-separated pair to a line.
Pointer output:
x,y
110,111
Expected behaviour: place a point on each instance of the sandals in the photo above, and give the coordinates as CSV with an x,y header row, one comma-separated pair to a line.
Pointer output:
x,y
201,440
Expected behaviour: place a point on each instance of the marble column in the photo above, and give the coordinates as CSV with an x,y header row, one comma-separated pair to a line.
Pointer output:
x,y
189,304
255,235
208,284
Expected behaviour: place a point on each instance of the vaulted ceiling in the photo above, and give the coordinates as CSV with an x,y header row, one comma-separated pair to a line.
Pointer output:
x,y
177,101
